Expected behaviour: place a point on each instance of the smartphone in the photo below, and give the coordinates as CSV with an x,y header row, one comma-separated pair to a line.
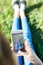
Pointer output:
x,y
17,40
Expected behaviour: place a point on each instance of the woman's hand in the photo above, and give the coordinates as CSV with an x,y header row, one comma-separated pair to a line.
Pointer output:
x,y
30,54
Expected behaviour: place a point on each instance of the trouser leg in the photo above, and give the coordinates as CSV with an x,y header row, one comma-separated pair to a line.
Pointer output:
x,y
27,31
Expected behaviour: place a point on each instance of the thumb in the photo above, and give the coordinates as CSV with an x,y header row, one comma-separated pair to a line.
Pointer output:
x,y
27,46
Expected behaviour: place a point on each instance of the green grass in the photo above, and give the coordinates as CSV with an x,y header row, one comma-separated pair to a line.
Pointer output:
x,y
6,17
34,13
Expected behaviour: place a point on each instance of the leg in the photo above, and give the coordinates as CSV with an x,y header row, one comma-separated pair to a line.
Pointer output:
x,y
16,22
25,25
27,34
16,26
26,29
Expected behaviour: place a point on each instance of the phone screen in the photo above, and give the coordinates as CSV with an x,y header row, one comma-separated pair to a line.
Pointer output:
x,y
17,40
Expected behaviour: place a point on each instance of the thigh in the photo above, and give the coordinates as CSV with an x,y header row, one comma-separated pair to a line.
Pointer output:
x,y
27,31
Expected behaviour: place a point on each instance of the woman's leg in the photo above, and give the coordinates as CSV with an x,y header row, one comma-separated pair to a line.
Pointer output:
x,y
26,28
27,33
16,22
16,26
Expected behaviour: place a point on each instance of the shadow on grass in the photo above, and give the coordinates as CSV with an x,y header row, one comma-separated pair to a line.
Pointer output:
x,y
29,9
37,34
37,40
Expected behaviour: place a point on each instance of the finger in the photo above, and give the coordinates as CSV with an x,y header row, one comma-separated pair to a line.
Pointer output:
x,y
27,46
26,43
11,46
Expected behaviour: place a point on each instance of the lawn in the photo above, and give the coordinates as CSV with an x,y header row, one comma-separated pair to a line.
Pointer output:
x,y
34,13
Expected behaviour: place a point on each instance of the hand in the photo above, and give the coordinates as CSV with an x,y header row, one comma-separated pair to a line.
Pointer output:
x,y
30,54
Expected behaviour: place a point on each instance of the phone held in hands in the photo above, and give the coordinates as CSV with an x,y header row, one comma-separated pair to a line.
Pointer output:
x,y
17,40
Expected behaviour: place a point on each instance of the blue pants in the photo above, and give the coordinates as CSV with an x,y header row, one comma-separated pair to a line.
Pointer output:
x,y
26,31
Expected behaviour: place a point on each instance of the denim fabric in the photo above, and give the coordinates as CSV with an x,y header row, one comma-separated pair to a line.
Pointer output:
x,y
16,24
26,32
20,60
